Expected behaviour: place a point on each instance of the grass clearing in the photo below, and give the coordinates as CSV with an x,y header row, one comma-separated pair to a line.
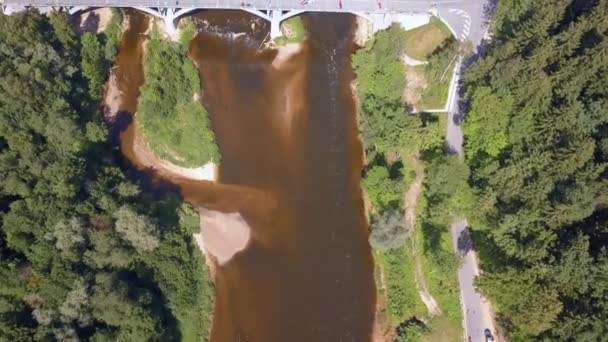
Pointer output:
x,y
433,42
442,329
440,268
422,41
438,76
398,276
435,95
293,31
443,123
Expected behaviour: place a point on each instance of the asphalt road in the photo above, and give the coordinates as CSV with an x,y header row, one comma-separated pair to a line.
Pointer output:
x,y
466,18
477,314
468,22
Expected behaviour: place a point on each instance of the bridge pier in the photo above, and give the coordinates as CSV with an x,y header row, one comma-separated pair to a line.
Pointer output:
x,y
275,24
170,16
8,9
170,25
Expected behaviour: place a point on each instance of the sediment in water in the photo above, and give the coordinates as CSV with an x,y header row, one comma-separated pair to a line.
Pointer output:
x,y
291,162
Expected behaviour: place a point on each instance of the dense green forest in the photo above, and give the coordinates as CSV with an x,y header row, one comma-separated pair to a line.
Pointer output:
x,y
174,121
537,146
85,253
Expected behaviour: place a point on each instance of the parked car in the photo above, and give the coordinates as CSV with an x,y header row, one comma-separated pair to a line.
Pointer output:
x,y
488,334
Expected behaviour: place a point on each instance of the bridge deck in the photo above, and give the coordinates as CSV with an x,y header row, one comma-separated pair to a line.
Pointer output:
x,y
367,6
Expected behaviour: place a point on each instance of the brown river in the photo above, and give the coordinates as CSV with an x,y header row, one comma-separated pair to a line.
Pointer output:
x,y
291,162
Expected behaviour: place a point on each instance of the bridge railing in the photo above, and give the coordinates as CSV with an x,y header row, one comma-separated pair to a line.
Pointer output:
x,y
311,5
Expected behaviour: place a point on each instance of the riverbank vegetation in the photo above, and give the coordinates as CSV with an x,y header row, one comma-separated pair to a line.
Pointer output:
x,y
537,145
293,31
97,52
392,138
172,118
111,36
85,252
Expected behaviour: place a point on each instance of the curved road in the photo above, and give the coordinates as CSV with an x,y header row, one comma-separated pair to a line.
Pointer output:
x,y
467,21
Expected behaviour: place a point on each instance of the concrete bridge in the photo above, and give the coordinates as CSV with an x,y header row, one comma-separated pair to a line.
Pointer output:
x,y
380,13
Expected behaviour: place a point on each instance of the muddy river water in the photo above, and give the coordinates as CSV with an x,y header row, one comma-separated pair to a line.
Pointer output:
x,y
291,162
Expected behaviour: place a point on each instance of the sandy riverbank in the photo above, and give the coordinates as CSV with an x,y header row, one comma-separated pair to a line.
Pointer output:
x,y
95,21
148,159
284,53
222,235
363,33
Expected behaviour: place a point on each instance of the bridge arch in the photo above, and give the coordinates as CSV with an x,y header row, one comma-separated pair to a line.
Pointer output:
x,y
170,16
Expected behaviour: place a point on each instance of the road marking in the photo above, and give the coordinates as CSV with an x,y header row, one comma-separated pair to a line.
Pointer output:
x,y
466,28
457,11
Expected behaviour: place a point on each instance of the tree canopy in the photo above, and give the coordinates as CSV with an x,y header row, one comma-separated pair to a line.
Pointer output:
x,y
85,254
535,138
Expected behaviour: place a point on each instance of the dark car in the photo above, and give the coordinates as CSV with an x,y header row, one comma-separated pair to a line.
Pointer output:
x,y
488,335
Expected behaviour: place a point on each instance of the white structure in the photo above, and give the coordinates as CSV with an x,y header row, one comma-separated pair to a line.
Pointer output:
x,y
275,11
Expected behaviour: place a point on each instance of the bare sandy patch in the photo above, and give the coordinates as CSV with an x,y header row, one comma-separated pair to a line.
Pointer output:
x,y
95,21
112,98
411,61
414,86
363,31
288,101
284,53
225,234
162,29
382,331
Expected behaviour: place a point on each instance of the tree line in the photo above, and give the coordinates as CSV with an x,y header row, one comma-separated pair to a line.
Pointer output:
x,y
85,253
536,141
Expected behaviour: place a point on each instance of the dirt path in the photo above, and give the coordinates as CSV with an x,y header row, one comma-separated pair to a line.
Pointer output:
x,y
414,86
411,198
411,61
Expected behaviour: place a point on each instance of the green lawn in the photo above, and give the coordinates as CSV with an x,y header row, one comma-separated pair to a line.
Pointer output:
x,y
422,41
293,31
